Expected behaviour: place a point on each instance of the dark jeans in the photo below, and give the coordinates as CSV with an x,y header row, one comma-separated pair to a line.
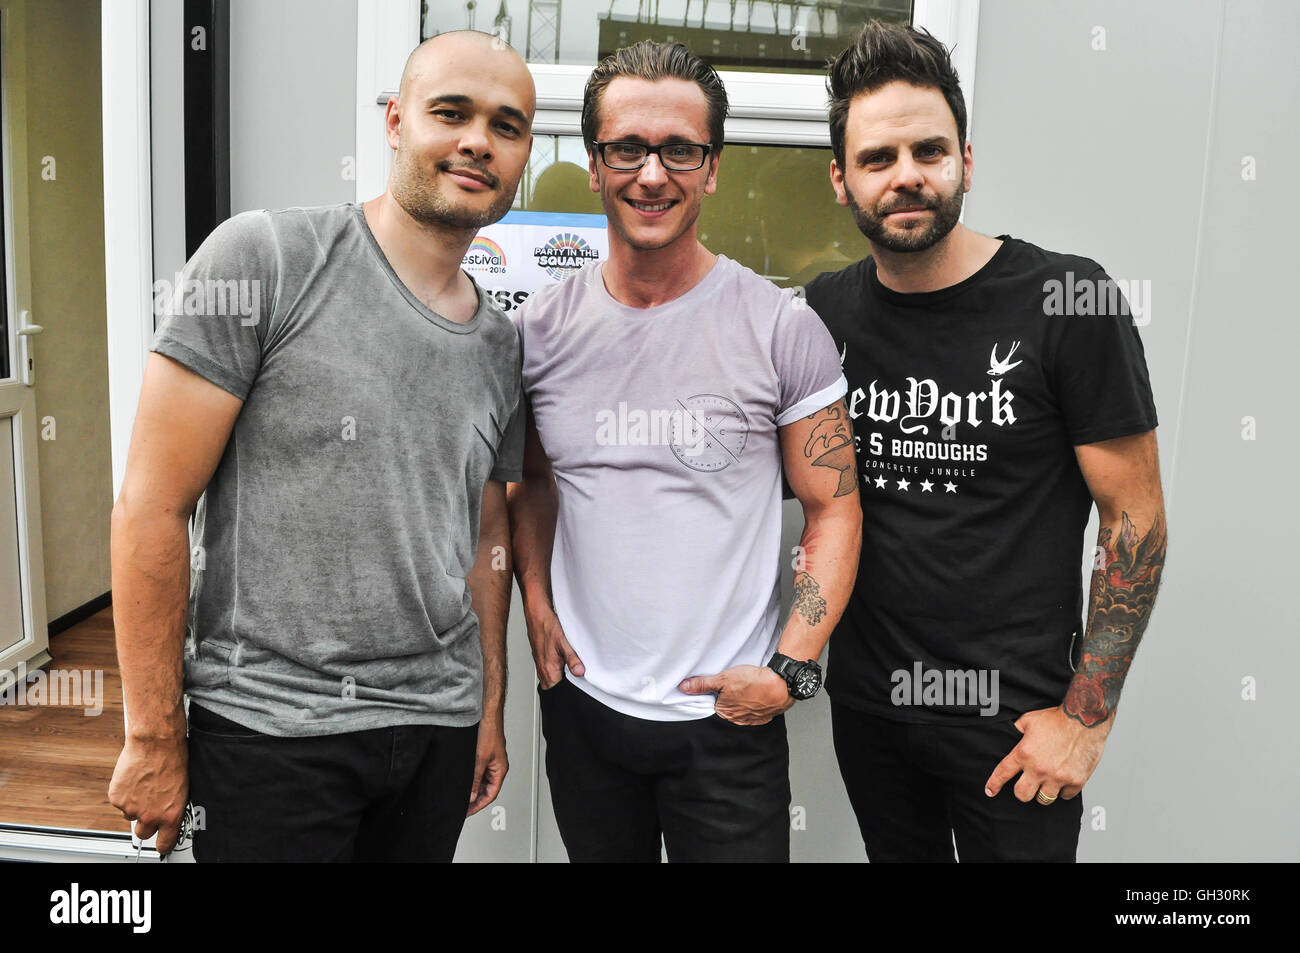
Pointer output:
x,y
714,790
914,788
385,794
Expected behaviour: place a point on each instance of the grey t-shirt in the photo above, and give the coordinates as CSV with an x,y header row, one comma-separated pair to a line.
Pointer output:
x,y
331,548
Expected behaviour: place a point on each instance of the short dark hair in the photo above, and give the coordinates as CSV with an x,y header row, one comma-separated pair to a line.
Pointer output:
x,y
654,61
883,53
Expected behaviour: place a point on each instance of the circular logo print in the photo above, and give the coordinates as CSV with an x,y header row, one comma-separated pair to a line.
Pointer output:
x,y
564,254
708,432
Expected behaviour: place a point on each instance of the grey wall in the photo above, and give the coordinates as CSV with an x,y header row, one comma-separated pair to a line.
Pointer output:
x,y
1131,155
293,81
167,42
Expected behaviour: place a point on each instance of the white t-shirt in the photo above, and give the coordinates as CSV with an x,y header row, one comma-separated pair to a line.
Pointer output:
x,y
661,427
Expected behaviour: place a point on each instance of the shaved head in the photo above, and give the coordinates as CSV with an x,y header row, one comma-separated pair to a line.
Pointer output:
x,y
461,126
472,43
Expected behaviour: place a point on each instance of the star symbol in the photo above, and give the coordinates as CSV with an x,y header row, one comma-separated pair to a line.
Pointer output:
x,y
903,485
880,482
926,486
950,487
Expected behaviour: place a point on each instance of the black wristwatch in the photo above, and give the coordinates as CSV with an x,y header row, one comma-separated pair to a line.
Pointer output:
x,y
802,678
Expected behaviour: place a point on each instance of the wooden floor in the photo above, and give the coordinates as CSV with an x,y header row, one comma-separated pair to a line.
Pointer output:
x,y
56,762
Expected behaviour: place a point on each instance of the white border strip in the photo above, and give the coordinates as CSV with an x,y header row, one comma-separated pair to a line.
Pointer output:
x,y
128,214
56,845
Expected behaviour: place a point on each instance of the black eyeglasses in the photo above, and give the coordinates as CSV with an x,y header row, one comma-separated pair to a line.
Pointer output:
x,y
674,156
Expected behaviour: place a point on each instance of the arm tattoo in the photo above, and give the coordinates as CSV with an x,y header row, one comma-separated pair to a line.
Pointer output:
x,y
831,442
1119,608
808,601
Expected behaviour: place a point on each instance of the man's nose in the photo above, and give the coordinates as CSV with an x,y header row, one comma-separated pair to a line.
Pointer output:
x,y
652,173
474,141
907,174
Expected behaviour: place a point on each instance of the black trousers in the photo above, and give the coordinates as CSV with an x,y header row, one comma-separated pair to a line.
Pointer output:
x,y
713,790
385,794
916,788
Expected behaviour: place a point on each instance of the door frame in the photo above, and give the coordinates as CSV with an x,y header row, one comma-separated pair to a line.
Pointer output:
x,y
128,214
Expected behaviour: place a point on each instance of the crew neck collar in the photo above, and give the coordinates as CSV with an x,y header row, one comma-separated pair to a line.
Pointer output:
x,y
701,288
925,299
433,317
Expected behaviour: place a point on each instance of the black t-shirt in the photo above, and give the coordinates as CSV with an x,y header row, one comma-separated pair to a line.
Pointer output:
x,y
967,404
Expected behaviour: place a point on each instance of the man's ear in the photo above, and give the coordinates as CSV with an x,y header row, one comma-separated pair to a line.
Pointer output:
x,y
392,122
837,183
711,183
968,167
594,169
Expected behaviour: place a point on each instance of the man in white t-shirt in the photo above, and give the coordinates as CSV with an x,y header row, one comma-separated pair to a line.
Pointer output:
x,y
667,388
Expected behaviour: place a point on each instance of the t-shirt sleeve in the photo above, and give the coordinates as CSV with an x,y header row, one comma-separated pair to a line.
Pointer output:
x,y
510,451
214,319
1099,370
807,367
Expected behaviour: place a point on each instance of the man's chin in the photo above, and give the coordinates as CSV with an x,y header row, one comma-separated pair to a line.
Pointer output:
x,y
643,239
464,218
899,239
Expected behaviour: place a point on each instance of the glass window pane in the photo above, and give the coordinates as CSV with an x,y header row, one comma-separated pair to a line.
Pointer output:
x,y
757,35
774,210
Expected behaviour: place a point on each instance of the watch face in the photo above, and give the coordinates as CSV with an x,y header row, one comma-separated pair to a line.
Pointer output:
x,y
807,681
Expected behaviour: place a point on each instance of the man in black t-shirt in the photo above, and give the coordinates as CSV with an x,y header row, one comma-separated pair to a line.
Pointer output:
x,y
997,391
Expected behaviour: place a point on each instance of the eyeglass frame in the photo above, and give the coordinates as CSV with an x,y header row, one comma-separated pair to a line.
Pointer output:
x,y
652,151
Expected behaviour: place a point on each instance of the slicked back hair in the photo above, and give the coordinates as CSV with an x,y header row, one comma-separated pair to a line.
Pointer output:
x,y
655,61
884,53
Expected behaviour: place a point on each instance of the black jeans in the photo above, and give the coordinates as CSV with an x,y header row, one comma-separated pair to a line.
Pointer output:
x,y
385,794
914,788
713,790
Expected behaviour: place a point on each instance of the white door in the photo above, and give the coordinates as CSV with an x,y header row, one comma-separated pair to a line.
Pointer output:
x,y
23,636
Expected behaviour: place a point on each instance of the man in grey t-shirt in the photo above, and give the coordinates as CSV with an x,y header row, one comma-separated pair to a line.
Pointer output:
x,y
347,402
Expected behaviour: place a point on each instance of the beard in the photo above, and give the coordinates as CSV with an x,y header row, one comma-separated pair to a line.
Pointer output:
x,y
918,237
423,198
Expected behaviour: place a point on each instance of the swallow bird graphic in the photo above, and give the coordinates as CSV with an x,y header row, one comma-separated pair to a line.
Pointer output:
x,y
998,367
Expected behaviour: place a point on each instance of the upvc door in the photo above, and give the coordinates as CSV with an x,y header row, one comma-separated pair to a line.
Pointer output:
x,y
24,639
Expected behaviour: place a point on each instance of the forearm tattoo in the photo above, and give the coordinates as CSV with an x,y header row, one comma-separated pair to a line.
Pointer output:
x,y
1119,609
808,601
831,445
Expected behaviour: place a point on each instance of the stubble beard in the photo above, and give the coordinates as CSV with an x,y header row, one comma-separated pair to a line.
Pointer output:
x,y
422,197
947,212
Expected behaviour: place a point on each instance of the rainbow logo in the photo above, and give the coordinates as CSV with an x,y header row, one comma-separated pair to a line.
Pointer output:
x,y
484,255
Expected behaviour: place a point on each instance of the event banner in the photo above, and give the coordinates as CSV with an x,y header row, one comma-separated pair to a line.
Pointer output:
x,y
527,250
